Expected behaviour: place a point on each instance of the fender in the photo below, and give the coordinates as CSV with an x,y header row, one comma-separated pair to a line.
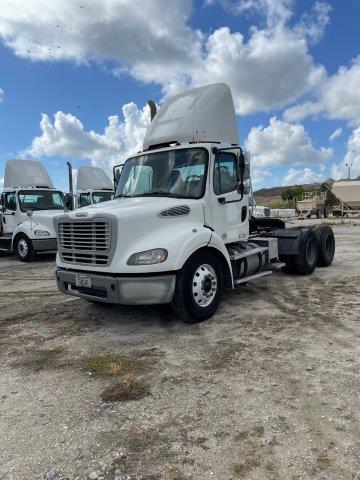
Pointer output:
x,y
217,242
22,228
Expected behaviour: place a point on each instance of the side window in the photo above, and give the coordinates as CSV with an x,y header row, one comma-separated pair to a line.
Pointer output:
x,y
225,173
84,199
10,201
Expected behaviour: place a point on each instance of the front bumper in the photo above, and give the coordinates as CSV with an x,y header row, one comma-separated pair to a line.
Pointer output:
x,y
44,244
141,290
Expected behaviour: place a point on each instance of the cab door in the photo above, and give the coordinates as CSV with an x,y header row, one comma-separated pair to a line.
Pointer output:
x,y
9,215
229,211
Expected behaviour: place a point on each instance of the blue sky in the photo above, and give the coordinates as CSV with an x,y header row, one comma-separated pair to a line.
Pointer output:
x,y
78,59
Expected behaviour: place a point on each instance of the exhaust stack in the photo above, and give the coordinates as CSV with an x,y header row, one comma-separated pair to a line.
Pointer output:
x,y
71,187
153,109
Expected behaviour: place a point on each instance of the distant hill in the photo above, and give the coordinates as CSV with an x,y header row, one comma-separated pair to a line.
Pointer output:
x,y
264,196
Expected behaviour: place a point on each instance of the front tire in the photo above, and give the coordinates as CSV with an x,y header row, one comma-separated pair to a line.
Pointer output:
x,y
24,249
198,288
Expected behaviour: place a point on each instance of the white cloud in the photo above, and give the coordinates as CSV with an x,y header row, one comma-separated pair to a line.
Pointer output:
x,y
153,41
302,110
301,176
270,70
2,94
351,158
335,134
282,143
66,136
338,97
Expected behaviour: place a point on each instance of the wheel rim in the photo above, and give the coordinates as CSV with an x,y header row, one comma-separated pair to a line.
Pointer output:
x,y
23,248
204,285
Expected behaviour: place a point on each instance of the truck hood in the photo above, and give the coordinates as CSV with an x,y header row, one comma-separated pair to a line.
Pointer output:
x,y
145,223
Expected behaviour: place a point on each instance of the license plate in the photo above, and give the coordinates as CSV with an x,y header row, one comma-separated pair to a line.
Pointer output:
x,y
83,281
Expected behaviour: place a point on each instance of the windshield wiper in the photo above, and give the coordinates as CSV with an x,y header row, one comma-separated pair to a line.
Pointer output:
x,y
121,195
153,194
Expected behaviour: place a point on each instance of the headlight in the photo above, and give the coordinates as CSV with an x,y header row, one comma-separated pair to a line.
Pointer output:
x,y
157,255
42,233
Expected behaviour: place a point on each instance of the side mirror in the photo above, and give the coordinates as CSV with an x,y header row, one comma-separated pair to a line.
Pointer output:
x,y
29,213
68,201
117,169
241,166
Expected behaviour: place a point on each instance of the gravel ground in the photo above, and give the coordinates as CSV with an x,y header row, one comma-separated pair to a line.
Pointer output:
x,y
266,389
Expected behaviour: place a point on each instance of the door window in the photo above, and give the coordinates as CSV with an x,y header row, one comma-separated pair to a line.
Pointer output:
x,y
10,201
225,179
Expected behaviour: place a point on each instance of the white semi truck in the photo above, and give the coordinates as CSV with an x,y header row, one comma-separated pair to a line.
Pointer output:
x,y
29,205
179,229
93,186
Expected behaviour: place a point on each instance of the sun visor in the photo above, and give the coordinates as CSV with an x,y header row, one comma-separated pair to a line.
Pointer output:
x,y
90,178
26,173
204,114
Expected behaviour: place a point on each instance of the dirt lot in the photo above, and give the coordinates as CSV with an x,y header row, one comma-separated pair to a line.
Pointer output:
x,y
267,389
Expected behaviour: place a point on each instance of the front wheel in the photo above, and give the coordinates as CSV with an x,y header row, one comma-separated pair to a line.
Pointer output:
x,y
24,249
198,288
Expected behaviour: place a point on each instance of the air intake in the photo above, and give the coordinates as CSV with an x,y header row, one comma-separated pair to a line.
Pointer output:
x,y
175,211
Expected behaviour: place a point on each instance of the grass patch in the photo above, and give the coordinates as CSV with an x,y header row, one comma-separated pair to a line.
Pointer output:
x,y
44,357
125,390
241,469
111,364
140,438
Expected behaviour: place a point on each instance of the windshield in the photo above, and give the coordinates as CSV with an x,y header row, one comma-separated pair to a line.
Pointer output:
x,y
41,200
102,196
174,173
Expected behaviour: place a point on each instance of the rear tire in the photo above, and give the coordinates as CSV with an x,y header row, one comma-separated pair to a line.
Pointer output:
x,y
326,245
305,262
24,249
326,213
318,213
198,288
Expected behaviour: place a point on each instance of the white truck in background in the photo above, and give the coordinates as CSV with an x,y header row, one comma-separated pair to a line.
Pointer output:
x,y
93,186
29,205
179,230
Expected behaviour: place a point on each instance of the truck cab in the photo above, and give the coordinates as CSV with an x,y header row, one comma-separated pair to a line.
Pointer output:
x,y
29,204
93,186
179,229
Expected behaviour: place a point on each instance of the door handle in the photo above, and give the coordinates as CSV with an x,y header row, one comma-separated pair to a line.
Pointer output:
x,y
223,200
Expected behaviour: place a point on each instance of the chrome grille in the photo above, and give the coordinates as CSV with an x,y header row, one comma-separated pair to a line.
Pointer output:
x,y
84,242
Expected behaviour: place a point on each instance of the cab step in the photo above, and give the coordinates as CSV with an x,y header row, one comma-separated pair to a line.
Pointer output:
x,y
277,265
252,277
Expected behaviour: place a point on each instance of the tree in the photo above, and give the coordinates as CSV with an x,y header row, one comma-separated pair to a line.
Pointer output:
x,y
292,194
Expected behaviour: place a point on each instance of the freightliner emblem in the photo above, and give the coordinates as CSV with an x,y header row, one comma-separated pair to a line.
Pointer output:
x,y
81,214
